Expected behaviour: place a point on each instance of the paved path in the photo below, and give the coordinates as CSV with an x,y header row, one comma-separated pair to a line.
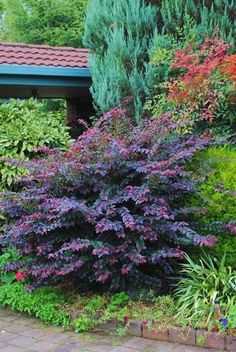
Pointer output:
x,y
18,333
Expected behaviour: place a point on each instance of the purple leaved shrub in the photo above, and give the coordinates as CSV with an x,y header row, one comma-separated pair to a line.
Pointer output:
x,y
108,212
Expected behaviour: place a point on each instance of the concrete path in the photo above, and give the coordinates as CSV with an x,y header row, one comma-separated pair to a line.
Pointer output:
x,y
18,333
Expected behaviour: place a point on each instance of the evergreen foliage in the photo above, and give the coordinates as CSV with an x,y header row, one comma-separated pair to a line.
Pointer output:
x,y
210,17
109,210
52,22
119,34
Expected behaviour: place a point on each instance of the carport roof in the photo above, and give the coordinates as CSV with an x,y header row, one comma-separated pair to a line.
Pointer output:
x,y
43,71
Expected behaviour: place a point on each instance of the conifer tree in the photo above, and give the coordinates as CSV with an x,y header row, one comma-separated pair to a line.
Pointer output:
x,y
119,34
211,17
52,22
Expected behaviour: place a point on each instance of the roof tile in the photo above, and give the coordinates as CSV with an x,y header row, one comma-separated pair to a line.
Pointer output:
x,y
42,55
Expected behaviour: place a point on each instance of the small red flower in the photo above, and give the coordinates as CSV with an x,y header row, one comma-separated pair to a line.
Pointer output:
x,y
19,276
126,318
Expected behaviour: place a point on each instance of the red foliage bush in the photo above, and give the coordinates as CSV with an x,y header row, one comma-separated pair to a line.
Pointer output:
x,y
195,86
229,67
108,211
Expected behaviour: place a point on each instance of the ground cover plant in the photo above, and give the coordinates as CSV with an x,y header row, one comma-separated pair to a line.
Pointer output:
x,y
45,304
86,312
83,312
110,210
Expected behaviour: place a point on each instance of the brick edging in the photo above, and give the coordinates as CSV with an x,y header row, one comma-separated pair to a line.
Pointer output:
x,y
191,337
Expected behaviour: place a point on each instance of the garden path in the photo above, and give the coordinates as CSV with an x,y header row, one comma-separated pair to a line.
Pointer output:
x,y
19,333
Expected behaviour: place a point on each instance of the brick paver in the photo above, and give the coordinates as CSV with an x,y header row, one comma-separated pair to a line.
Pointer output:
x,y
19,333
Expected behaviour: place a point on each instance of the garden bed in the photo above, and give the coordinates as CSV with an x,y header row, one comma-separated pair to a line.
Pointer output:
x,y
154,319
184,336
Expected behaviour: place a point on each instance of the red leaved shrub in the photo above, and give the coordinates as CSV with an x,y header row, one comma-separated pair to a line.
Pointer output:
x,y
195,87
110,210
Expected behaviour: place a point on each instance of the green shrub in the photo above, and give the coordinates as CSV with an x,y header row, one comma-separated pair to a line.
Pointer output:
x,y
217,195
24,126
51,22
204,285
217,192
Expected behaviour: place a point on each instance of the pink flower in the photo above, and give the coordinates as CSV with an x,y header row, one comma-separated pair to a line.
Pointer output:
x,y
231,228
19,276
145,322
103,277
207,241
125,271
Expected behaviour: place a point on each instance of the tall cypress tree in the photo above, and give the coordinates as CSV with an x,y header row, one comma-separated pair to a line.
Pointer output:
x,y
119,34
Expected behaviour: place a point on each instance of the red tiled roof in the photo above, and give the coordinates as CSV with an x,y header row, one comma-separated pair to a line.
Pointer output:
x,y
42,55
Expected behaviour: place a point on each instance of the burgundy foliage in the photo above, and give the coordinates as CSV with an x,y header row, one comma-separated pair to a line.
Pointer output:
x,y
109,211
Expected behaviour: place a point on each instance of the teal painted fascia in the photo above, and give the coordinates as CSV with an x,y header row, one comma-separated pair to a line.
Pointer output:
x,y
33,76
24,70
43,81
